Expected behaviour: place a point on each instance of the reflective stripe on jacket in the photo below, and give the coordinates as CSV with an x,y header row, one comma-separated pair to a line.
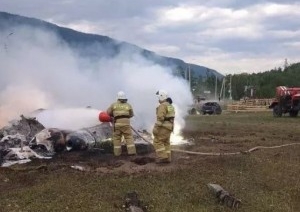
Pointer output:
x,y
121,111
165,114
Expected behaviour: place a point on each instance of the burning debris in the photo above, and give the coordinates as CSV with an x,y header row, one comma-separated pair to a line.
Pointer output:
x,y
28,127
19,155
14,143
27,138
10,141
224,196
89,138
50,140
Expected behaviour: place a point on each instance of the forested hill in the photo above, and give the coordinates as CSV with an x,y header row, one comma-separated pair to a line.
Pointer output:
x,y
106,46
265,83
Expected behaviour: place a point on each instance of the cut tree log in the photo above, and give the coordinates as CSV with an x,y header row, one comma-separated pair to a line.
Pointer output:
x,y
223,196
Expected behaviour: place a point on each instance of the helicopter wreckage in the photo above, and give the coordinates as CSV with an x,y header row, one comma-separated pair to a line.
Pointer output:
x,y
27,138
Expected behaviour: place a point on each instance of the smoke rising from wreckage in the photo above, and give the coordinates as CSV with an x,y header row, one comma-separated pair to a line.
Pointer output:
x,y
28,138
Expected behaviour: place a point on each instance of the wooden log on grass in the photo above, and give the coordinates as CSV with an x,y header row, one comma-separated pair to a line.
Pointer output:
x,y
223,196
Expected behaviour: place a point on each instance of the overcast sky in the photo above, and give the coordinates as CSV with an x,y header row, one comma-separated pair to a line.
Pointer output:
x,y
229,36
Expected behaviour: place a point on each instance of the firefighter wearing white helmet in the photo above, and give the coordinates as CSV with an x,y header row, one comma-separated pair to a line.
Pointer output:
x,y
121,111
165,114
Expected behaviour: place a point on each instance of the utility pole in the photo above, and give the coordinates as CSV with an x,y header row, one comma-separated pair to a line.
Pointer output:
x,y
230,88
186,74
216,86
286,64
224,82
190,80
223,89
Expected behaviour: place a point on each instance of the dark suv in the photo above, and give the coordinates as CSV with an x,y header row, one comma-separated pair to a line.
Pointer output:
x,y
211,108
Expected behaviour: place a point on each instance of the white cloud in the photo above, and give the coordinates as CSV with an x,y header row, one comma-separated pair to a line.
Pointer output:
x,y
237,63
284,34
235,28
164,49
246,32
294,45
280,9
179,14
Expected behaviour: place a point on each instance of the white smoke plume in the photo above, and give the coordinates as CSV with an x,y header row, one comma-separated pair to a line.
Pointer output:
x,y
37,70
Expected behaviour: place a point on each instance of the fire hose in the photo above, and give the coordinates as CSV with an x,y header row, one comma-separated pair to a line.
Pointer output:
x,y
107,118
218,153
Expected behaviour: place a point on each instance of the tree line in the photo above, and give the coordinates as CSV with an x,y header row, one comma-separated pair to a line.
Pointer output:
x,y
261,85
265,83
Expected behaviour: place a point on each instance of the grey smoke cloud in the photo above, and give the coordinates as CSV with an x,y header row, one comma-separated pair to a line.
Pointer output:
x,y
37,70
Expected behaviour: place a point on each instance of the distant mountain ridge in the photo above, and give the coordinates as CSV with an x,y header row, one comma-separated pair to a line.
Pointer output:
x,y
111,47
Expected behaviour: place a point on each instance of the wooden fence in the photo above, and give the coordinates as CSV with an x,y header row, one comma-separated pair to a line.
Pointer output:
x,y
250,105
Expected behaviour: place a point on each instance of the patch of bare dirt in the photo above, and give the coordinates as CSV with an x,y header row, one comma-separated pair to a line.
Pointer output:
x,y
95,161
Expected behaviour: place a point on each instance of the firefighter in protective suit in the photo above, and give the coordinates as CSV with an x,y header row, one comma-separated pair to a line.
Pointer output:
x,y
165,114
121,112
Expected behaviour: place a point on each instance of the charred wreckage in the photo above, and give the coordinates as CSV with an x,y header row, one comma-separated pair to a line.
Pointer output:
x,y
27,138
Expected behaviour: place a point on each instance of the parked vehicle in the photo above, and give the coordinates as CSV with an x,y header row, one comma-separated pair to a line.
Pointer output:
x,y
211,108
287,101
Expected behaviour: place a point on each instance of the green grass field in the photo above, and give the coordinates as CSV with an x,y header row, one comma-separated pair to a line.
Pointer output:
x,y
265,180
